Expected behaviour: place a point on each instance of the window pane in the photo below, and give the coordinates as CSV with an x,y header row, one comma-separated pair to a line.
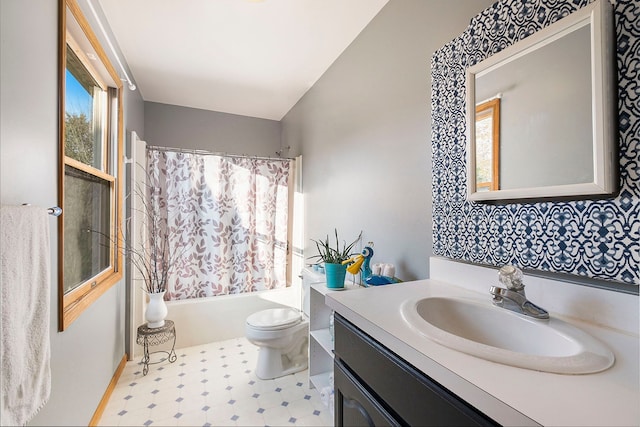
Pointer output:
x,y
85,106
87,204
484,149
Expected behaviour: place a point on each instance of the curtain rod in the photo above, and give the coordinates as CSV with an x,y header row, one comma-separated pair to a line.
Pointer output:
x,y
213,153
113,50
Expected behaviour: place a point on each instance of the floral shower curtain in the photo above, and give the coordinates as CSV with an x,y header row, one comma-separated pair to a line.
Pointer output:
x,y
230,213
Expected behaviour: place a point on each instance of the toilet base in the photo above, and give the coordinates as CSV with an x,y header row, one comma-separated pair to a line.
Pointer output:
x,y
273,364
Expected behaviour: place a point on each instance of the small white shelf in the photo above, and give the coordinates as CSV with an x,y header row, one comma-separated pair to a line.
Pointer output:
x,y
320,342
323,337
322,287
321,381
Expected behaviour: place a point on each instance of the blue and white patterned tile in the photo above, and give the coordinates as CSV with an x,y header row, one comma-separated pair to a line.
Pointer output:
x,y
278,416
270,399
301,408
210,385
223,414
596,238
135,417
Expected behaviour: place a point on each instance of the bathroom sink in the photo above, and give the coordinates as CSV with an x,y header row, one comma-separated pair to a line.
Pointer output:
x,y
493,333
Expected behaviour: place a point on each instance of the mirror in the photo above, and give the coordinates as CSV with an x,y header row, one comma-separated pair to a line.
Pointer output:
x,y
542,113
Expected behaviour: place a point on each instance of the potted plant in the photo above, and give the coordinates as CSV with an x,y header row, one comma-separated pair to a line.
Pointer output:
x,y
158,252
334,258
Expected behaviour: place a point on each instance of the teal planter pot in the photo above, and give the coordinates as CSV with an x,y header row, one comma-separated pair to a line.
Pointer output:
x,y
335,274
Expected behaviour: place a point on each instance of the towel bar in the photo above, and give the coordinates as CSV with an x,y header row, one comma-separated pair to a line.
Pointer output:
x,y
55,211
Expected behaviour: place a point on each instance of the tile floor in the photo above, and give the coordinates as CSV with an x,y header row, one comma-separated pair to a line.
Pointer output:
x,y
212,385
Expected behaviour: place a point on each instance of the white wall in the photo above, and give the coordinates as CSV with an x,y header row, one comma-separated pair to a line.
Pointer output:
x,y
364,132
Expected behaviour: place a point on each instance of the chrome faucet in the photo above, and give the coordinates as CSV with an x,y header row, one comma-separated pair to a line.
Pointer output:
x,y
513,297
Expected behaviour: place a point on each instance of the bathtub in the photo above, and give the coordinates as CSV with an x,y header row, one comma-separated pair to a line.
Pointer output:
x,y
204,320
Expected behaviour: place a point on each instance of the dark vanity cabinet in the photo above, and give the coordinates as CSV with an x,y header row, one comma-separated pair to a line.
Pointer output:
x,y
375,387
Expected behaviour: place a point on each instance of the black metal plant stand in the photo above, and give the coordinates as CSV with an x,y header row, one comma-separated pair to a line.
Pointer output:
x,y
154,336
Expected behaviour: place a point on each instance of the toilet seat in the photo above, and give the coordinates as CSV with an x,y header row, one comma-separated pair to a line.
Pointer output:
x,y
274,319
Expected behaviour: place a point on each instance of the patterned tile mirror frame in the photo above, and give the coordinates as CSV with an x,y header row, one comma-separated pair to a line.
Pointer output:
x,y
591,238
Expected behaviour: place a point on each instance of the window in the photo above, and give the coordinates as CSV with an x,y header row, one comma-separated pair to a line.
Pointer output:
x,y
488,145
90,169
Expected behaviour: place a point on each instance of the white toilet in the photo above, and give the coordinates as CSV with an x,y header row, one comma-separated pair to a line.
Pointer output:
x,y
282,335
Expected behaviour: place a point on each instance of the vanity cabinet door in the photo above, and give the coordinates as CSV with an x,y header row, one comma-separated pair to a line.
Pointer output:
x,y
410,396
354,405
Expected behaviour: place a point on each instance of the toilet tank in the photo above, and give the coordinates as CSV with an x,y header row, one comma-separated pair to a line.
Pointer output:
x,y
309,276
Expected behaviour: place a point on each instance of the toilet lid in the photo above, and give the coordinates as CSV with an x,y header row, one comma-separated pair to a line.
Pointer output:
x,y
274,318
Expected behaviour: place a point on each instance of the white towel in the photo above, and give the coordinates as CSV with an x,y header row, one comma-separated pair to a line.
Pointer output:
x,y
25,281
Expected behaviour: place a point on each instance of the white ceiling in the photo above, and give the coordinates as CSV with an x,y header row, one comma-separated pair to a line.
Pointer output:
x,y
249,57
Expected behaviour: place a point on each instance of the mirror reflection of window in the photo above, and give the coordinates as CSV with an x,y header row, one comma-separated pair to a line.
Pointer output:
x,y
488,145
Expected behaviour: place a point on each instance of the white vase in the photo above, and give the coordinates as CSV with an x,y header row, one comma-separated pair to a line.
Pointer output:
x,y
156,310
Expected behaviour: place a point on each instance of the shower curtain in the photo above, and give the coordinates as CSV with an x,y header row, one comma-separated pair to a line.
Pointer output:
x,y
231,215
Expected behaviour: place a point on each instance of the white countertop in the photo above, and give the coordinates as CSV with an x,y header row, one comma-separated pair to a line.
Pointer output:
x,y
509,395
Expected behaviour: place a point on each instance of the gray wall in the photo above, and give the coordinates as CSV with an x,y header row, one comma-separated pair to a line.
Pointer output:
x,y
363,130
192,128
85,356
364,134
